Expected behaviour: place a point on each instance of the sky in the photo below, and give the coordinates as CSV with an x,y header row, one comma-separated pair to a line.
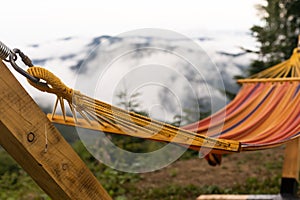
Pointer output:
x,y
32,21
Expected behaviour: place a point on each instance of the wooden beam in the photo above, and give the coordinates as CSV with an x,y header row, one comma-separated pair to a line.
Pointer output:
x,y
290,169
291,160
31,139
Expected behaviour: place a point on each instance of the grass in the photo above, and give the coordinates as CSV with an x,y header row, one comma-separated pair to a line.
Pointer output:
x,y
121,187
15,184
174,192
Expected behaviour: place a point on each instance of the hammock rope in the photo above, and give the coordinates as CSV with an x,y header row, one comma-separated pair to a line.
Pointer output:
x,y
129,122
288,68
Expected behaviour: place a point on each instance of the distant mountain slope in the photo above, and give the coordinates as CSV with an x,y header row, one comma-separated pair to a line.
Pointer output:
x,y
72,59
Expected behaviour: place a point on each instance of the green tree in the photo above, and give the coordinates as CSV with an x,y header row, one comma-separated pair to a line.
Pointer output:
x,y
277,36
130,102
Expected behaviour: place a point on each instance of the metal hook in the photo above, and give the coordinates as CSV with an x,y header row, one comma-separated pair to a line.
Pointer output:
x,y
26,60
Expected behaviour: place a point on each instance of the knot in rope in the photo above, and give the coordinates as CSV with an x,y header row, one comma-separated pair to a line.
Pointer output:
x,y
54,84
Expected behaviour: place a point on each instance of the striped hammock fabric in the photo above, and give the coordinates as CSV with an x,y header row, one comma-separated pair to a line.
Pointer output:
x,y
264,114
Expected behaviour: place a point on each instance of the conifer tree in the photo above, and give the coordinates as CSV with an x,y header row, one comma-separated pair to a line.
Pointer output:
x,y
277,36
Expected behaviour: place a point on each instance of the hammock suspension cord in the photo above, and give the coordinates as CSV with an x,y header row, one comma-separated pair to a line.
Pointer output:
x,y
106,114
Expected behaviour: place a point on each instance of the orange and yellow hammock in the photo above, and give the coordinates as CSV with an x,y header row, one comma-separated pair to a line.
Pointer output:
x,y
266,111
264,114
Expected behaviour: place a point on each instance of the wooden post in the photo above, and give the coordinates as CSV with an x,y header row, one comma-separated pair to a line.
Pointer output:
x,y
290,170
29,137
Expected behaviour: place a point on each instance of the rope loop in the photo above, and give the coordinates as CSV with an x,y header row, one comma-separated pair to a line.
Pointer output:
x,y
54,84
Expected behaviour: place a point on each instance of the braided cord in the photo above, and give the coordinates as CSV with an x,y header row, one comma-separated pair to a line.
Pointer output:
x,y
56,86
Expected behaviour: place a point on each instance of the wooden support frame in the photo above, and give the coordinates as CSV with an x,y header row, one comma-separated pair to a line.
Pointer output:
x,y
31,139
290,169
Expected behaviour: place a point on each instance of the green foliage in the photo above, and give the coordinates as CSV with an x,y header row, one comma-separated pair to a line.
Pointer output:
x,y
174,192
7,164
19,186
169,191
255,186
198,111
15,184
136,145
130,102
115,182
277,36
229,95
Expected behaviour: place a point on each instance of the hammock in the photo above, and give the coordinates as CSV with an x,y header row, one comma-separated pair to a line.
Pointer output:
x,y
264,114
266,111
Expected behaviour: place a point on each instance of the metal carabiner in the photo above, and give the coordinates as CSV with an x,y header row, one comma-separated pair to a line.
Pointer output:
x,y
26,61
